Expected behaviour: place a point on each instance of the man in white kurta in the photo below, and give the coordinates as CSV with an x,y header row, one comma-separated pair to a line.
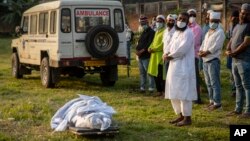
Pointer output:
x,y
167,36
210,52
168,33
181,79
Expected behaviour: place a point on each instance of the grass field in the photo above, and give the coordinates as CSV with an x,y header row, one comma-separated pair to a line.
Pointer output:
x,y
26,108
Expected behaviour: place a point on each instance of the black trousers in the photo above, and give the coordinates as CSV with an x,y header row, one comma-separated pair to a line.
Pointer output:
x,y
159,82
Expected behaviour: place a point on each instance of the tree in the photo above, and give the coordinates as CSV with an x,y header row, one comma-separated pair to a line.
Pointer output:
x,y
13,10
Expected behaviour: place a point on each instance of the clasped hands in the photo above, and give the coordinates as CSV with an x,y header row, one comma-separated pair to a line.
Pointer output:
x,y
138,53
203,53
230,53
165,57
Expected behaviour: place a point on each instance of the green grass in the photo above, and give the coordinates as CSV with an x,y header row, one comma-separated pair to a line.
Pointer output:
x,y
26,108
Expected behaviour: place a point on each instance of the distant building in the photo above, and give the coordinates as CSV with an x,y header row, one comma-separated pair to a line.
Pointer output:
x,y
150,8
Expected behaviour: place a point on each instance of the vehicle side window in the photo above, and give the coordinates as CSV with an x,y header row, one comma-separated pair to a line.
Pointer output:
x,y
25,24
53,22
85,19
65,21
43,23
119,26
33,24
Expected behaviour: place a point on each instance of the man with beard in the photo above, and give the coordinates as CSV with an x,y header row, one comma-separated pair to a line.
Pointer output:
x,y
181,81
144,42
239,50
196,29
155,67
167,36
210,52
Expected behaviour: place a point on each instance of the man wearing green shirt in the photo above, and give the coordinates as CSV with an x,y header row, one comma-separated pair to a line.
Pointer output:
x,y
155,67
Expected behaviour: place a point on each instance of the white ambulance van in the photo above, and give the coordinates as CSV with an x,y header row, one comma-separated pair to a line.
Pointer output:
x,y
73,38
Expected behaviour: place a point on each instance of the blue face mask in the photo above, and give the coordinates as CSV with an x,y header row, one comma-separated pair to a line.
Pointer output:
x,y
213,25
159,25
145,27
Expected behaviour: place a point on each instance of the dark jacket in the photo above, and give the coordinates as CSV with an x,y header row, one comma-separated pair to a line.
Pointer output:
x,y
144,42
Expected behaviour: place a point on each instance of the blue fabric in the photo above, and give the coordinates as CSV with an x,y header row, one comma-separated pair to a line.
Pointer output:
x,y
212,78
143,67
229,66
233,87
229,62
241,72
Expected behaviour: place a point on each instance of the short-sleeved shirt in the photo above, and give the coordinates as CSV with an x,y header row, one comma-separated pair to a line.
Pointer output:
x,y
239,33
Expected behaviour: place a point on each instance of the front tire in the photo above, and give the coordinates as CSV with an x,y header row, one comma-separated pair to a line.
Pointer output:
x,y
46,73
16,66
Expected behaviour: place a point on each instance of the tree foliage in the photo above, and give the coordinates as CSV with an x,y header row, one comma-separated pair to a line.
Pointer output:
x,y
13,9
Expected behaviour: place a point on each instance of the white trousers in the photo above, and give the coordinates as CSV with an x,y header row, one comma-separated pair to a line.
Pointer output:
x,y
182,106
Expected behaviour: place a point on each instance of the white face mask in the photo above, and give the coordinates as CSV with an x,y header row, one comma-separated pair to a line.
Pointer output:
x,y
159,25
213,25
181,24
192,19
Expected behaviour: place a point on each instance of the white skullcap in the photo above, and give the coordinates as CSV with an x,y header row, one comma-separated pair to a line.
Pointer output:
x,y
160,17
175,16
171,16
245,6
215,15
209,11
191,10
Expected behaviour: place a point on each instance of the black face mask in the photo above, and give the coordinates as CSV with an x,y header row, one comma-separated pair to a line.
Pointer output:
x,y
170,25
180,29
235,21
246,20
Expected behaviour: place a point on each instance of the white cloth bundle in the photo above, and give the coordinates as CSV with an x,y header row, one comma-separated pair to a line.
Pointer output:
x,y
85,111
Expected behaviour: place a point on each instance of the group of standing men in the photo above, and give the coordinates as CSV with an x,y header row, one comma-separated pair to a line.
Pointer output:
x,y
169,59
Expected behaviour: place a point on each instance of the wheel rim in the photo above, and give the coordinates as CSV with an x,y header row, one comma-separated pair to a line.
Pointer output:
x,y
103,41
44,74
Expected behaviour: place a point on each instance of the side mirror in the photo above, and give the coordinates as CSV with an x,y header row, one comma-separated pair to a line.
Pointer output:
x,y
18,30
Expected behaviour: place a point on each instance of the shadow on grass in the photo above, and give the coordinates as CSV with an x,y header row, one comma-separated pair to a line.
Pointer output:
x,y
30,77
128,85
143,130
96,137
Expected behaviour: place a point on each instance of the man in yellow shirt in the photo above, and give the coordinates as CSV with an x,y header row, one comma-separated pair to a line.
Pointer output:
x,y
155,67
